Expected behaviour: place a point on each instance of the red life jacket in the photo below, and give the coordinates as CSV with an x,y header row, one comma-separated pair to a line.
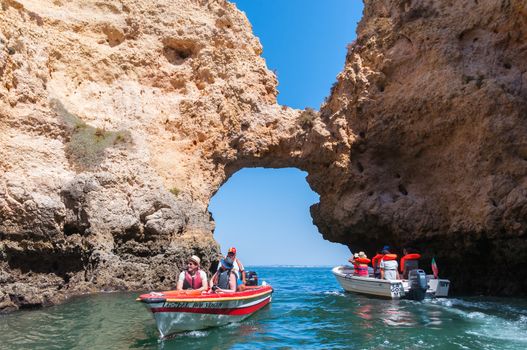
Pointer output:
x,y
409,257
376,260
192,282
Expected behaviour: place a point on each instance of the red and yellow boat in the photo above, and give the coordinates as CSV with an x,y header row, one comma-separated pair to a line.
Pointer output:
x,y
178,311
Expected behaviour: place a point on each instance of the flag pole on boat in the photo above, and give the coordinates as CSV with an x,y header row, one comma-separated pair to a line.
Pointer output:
x,y
434,268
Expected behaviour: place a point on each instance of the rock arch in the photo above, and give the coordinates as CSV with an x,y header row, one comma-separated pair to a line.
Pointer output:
x,y
421,141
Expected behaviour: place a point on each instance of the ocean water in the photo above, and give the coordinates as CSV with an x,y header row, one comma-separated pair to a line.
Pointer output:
x,y
309,311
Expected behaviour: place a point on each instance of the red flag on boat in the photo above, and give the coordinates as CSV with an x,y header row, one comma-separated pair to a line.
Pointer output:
x,y
434,268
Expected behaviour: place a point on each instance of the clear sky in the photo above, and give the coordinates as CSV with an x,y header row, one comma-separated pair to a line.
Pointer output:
x,y
264,213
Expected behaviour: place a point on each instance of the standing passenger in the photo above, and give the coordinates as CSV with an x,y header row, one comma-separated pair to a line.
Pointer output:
x,y
352,261
409,261
375,263
389,266
361,264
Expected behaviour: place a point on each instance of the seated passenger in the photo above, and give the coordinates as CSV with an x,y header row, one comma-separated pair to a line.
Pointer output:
x,y
224,280
389,266
237,268
193,277
409,262
361,264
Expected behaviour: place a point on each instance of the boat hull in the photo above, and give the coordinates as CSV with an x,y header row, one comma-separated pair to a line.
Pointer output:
x,y
177,312
368,285
395,289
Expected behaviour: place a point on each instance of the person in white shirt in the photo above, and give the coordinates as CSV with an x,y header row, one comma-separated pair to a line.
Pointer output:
x,y
389,268
193,277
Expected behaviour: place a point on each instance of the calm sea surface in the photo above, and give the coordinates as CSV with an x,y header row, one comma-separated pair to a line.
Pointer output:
x,y
309,311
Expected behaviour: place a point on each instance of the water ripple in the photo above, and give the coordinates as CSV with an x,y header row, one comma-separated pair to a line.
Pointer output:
x,y
309,311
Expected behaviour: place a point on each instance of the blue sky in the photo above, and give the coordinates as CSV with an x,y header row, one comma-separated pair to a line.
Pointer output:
x,y
264,213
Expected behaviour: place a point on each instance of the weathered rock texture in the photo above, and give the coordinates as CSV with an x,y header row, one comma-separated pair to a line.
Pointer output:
x,y
120,119
430,118
117,121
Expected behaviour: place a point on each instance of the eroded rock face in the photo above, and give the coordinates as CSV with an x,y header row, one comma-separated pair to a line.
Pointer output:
x,y
119,120
429,116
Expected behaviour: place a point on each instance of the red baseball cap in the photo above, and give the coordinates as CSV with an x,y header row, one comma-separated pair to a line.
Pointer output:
x,y
231,250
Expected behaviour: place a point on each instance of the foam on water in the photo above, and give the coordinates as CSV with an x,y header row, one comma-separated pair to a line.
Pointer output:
x,y
335,293
197,334
475,315
483,305
309,310
490,319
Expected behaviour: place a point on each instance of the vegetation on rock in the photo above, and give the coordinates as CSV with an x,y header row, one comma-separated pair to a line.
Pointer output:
x,y
87,145
307,117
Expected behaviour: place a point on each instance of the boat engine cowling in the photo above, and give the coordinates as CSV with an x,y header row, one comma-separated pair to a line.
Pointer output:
x,y
418,284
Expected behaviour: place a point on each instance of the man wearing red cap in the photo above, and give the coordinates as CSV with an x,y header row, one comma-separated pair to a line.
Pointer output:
x,y
238,268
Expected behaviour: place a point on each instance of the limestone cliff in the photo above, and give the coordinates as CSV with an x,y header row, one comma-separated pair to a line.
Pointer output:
x,y
430,119
119,120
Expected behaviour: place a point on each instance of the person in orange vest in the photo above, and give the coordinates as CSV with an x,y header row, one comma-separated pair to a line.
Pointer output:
x,y
409,261
352,261
375,263
389,266
360,262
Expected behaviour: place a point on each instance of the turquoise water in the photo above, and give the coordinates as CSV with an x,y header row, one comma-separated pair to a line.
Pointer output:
x,y
309,311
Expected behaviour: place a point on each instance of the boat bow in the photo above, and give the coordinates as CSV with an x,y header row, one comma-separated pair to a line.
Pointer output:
x,y
176,311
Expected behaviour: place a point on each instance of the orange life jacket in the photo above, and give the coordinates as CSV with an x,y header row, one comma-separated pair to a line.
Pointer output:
x,y
388,257
407,257
361,266
376,260
362,260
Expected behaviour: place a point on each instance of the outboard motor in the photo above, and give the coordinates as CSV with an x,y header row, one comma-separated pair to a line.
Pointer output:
x,y
251,278
418,285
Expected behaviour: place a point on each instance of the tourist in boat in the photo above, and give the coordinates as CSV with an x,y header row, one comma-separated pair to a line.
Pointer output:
x,y
360,263
238,269
375,263
224,280
355,265
193,277
389,266
409,261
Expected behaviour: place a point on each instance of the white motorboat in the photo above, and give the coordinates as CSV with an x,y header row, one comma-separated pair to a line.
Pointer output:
x,y
416,288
